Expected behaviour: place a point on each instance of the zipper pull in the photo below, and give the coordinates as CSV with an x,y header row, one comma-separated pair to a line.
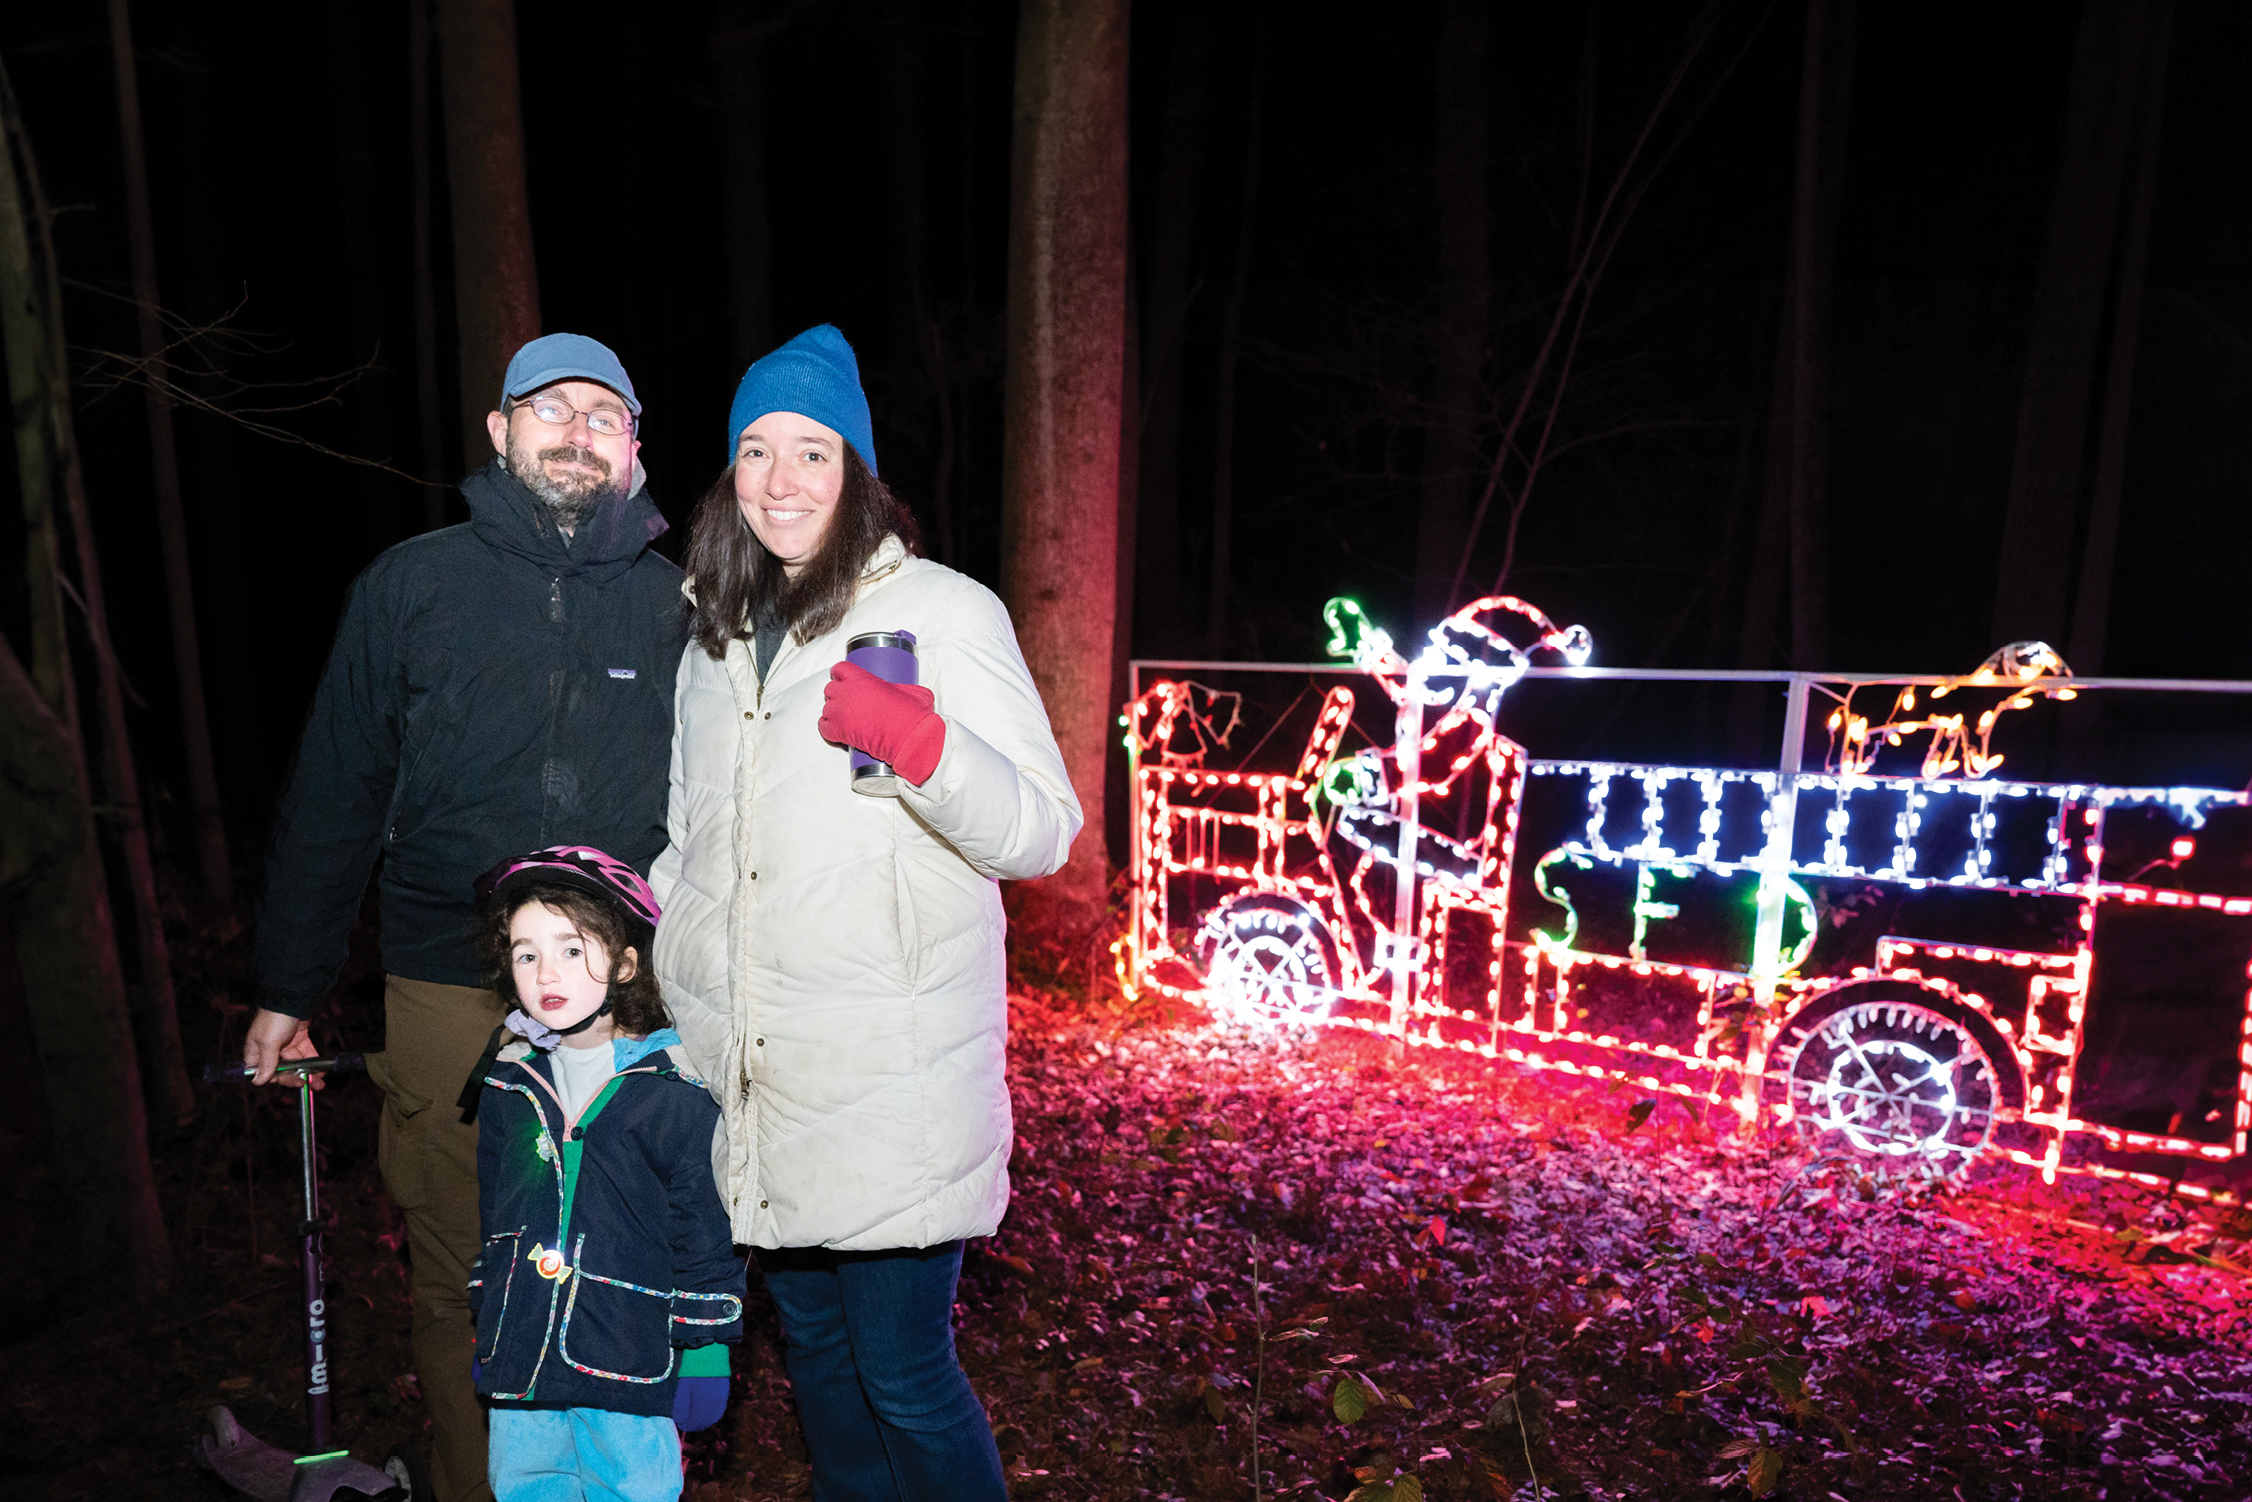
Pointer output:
x,y
746,1092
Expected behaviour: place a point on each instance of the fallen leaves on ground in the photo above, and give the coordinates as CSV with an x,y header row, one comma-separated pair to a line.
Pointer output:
x,y
1468,1278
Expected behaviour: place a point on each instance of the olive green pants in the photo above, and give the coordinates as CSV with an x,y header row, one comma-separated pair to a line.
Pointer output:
x,y
433,1037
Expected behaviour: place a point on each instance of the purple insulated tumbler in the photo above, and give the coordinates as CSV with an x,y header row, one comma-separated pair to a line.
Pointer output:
x,y
890,655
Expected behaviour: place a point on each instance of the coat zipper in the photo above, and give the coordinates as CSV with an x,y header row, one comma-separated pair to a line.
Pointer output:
x,y
758,702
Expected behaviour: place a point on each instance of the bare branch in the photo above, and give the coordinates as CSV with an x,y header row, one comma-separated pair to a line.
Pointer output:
x,y
1603,238
192,370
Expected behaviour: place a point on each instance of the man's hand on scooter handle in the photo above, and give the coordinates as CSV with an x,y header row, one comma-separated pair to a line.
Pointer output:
x,y
273,1038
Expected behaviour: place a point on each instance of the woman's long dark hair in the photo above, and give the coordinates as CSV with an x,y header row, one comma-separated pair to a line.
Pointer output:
x,y
738,582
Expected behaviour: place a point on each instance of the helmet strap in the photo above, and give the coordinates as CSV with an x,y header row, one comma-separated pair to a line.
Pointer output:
x,y
592,1017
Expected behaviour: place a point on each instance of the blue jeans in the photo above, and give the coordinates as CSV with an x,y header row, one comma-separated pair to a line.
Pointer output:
x,y
869,1341
570,1454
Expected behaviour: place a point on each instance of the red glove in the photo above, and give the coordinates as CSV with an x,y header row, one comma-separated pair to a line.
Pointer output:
x,y
893,722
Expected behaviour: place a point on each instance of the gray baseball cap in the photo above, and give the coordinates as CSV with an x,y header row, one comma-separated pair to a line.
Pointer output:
x,y
566,357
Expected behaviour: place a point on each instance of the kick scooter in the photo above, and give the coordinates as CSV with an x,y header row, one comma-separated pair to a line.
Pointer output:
x,y
325,1472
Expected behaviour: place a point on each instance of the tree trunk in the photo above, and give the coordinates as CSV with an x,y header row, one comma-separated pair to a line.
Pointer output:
x,y
23,336
38,308
366,274
1222,579
1161,606
164,467
436,471
750,250
915,348
496,280
1065,369
50,865
1715,700
1770,557
205,285
1118,798
1801,446
1450,445
2091,604
1790,538
946,545
156,1012
2072,290
969,227
51,872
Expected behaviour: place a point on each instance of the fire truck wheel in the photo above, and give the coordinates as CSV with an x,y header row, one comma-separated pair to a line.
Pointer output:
x,y
1268,959
1893,1072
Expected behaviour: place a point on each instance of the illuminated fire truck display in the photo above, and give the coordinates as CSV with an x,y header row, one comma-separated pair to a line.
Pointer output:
x,y
1921,968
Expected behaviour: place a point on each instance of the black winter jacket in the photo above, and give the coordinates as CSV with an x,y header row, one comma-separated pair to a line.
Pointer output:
x,y
495,688
606,1252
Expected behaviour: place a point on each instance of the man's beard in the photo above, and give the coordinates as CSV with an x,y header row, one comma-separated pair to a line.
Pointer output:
x,y
573,499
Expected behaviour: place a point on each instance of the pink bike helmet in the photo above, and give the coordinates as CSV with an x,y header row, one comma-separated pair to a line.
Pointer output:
x,y
581,866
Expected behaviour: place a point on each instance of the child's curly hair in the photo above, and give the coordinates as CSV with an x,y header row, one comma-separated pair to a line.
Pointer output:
x,y
637,1005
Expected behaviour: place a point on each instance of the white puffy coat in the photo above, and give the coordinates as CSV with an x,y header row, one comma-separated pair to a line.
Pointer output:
x,y
834,962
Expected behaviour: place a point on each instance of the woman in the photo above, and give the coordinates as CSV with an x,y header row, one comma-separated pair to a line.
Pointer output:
x,y
834,961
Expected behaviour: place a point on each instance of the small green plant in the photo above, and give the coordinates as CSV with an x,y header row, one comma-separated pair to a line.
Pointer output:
x,y
1509,1411
1382,1479
1765,1467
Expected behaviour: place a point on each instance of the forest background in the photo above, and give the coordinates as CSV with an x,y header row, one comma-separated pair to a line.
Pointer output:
x,y
1753,335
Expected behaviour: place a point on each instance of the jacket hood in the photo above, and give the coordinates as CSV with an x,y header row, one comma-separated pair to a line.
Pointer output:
x,y
625,1054
505,514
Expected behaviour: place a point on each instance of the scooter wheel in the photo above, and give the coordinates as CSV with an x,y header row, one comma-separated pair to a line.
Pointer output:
x,y
409,1473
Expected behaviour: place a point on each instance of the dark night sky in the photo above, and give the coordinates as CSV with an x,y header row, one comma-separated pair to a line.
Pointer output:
x,y
281,157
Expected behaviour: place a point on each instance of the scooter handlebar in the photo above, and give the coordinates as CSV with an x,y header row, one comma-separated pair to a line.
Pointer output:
x,y
235,1074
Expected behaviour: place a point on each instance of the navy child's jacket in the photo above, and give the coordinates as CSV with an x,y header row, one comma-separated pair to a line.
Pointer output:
x,y
606,1249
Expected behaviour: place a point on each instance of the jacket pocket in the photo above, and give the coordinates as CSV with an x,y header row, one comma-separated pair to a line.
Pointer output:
x,y
406,806
403,1100
910,927
616,1330
490,1282
401,1152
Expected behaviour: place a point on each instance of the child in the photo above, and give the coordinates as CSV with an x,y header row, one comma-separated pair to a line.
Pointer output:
x,y
607,1275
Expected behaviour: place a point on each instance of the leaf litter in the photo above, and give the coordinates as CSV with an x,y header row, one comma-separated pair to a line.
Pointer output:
x,y
1474,1283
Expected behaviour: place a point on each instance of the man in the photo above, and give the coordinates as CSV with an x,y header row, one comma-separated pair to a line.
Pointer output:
x,y
495,687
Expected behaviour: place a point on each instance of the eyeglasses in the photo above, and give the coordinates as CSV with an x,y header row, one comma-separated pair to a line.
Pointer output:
x,y
557,413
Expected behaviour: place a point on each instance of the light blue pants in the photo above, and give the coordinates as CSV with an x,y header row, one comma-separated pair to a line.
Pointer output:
x,y
582,1455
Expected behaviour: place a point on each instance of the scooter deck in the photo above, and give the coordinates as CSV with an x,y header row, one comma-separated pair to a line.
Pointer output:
x,y
266,1474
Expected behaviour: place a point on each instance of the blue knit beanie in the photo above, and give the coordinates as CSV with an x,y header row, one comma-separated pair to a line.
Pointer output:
x,y
814,374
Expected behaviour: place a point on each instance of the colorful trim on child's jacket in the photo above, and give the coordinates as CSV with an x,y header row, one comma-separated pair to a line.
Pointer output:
x,y
636,1148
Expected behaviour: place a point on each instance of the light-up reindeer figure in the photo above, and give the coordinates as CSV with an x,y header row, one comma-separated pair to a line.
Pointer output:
x,y
1430,818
